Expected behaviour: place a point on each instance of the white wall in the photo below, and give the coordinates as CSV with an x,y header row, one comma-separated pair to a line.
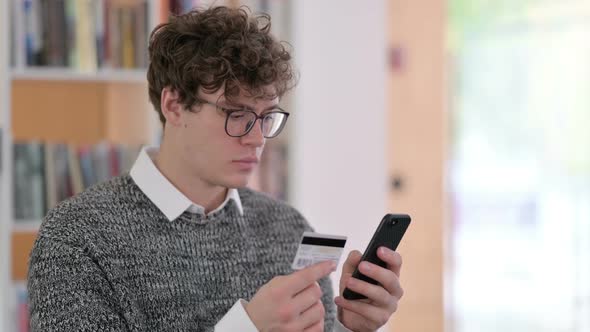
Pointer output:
x,y
338,164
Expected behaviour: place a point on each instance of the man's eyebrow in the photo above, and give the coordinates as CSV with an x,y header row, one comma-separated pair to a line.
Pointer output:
x,y
234,104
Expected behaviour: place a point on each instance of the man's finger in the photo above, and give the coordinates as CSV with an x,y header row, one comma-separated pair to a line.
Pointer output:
x,y
378,315
392,258
377,294
307,297
319,326
312,316
385,277
353,259
343,281
301,279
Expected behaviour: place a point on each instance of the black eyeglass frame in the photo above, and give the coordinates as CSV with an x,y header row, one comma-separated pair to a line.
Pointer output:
x,y
228,112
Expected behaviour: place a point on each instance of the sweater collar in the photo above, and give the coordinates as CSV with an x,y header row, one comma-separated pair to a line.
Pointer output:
x,y
164,194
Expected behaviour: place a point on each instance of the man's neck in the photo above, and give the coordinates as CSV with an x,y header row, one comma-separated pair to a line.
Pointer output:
x,y
199,192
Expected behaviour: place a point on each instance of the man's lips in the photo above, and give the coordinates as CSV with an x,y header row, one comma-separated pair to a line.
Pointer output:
x,y
249,160
246,164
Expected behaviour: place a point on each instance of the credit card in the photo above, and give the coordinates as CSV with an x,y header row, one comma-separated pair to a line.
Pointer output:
x,y
315,248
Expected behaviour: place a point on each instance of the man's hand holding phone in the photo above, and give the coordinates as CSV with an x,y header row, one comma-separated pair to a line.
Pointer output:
x,y
371,313
369,284
291,302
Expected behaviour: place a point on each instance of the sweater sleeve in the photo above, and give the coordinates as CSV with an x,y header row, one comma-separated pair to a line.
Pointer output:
x,y
69,292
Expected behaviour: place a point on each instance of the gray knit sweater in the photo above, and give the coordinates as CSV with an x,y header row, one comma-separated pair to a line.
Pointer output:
x,y
109,260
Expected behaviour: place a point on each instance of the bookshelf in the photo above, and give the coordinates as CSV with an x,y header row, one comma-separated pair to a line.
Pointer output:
x,y
61,74
5,220
26,226
64,97
55,108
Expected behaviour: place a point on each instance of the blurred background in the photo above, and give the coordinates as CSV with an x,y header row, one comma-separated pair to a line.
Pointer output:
x,y
470,115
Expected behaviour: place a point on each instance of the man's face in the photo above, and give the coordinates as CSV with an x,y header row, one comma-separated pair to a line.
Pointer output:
x,y
209,153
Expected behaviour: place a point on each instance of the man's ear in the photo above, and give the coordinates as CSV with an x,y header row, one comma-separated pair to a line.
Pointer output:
x,y
171,107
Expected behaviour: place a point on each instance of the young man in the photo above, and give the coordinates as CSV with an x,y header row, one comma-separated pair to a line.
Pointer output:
x,y
179,243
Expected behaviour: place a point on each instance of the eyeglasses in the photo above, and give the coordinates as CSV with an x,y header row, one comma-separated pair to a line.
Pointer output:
x,y
239,122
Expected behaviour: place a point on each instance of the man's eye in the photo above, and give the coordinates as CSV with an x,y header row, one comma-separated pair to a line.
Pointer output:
x,y
237,115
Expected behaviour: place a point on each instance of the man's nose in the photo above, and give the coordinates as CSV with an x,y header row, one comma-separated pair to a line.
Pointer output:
x,y
255,136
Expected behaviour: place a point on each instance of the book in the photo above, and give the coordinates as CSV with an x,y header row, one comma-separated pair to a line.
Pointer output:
x,y
48,173
22,307
128,31
28,175
84,35
50,178
76,179
87,170
64,186
99,30
32,31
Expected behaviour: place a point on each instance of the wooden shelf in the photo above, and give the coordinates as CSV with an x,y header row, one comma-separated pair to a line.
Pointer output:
x,y
21,244
67,74
83,112
26,226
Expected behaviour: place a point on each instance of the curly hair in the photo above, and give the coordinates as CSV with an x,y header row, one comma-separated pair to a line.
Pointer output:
x,y
217,47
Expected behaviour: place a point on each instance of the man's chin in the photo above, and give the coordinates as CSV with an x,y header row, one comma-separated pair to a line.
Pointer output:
x,y
236,182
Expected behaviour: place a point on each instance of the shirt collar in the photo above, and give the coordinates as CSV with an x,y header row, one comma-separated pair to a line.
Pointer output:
x,y
164,194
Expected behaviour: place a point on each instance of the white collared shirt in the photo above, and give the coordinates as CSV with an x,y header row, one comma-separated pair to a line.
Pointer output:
x,y
164,194
173,203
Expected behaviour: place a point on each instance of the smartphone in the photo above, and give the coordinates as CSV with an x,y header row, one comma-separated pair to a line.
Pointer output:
x,y
389,234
